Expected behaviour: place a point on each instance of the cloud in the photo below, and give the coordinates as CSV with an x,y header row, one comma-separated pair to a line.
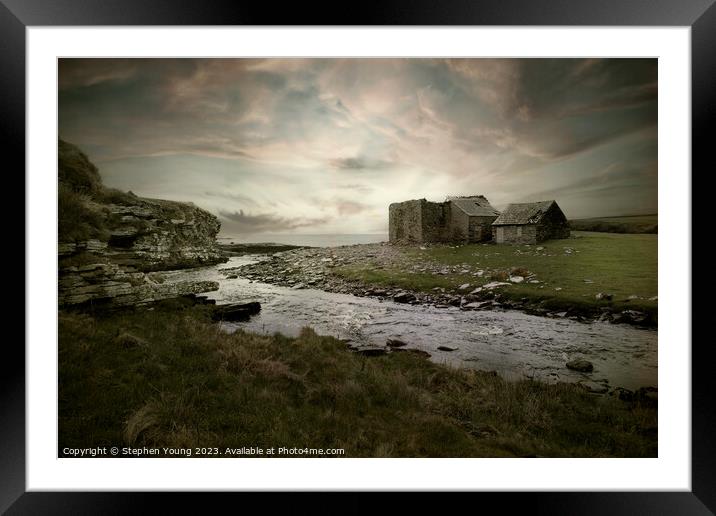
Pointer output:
x,y
360,163
345,207
361,189
238,198
267,223
82,73
282,131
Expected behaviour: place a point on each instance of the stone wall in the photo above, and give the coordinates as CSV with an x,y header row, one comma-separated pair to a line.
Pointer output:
x,y
435,221
459,224
553,225
466,228
405,222
515,234
480,228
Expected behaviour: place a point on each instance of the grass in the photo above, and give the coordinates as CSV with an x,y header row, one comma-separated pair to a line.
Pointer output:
x,y
617,264
169,377
75,171
625,224
113,196
77,219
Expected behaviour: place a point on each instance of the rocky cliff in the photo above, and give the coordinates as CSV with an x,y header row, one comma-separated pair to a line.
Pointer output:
x,y
120,249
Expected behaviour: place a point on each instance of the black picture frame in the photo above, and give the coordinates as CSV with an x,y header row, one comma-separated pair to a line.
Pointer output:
x,y
17,15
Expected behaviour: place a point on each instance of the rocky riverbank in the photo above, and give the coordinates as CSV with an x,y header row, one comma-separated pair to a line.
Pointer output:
x,y
324,269
116,248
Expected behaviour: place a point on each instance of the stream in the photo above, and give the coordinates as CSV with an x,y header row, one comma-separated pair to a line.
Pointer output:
x,y
514,344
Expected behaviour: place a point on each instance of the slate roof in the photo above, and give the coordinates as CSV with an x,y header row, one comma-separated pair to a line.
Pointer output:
x,y
523,213
477,206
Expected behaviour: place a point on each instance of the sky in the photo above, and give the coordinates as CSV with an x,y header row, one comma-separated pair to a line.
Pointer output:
x,y
323,146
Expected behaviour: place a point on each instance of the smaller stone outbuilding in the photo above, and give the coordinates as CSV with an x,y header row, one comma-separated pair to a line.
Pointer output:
x,y
530,223
471,218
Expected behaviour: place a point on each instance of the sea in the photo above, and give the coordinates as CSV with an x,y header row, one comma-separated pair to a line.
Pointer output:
x,y
307,240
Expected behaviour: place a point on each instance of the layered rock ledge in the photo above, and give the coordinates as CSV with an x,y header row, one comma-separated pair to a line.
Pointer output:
x,y
120,249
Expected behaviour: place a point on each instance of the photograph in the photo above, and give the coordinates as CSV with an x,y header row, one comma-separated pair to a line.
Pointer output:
x,y
347,257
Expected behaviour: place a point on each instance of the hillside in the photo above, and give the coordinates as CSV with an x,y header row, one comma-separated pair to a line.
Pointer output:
x,y
624,224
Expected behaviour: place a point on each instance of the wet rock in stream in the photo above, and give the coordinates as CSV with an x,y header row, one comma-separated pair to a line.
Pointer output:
x,y
236,311
583,366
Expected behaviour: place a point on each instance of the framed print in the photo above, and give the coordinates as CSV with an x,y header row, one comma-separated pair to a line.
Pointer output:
x,y
400,251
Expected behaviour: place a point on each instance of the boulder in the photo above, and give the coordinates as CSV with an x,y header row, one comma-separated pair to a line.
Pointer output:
x,y
395,343
597,388
622,394
581,365
236,311
403,297
477,305
633,316
454,301
372,352
447,348
418,352
494,284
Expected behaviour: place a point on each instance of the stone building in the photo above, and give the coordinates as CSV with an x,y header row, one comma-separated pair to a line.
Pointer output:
x,y
529,223
458,219
471,218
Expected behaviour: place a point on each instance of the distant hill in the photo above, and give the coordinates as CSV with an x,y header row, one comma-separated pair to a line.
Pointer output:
x,y
623,224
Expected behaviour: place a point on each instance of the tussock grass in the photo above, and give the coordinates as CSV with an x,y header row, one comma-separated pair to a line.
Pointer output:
x,y
77,219
190,384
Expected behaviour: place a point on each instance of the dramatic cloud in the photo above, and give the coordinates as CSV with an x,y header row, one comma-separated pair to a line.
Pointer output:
x,y
324,145
266,223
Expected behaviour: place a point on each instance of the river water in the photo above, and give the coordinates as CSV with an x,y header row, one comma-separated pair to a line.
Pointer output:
x,y
514,344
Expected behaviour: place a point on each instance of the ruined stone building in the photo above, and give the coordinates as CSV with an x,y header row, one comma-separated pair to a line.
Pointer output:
x,y
529,223
458,219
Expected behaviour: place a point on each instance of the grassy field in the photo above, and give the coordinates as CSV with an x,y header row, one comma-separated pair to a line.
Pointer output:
x,y
626,224
169,377
571,272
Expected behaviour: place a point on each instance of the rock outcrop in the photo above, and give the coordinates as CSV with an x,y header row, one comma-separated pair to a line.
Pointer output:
x,y
120,249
